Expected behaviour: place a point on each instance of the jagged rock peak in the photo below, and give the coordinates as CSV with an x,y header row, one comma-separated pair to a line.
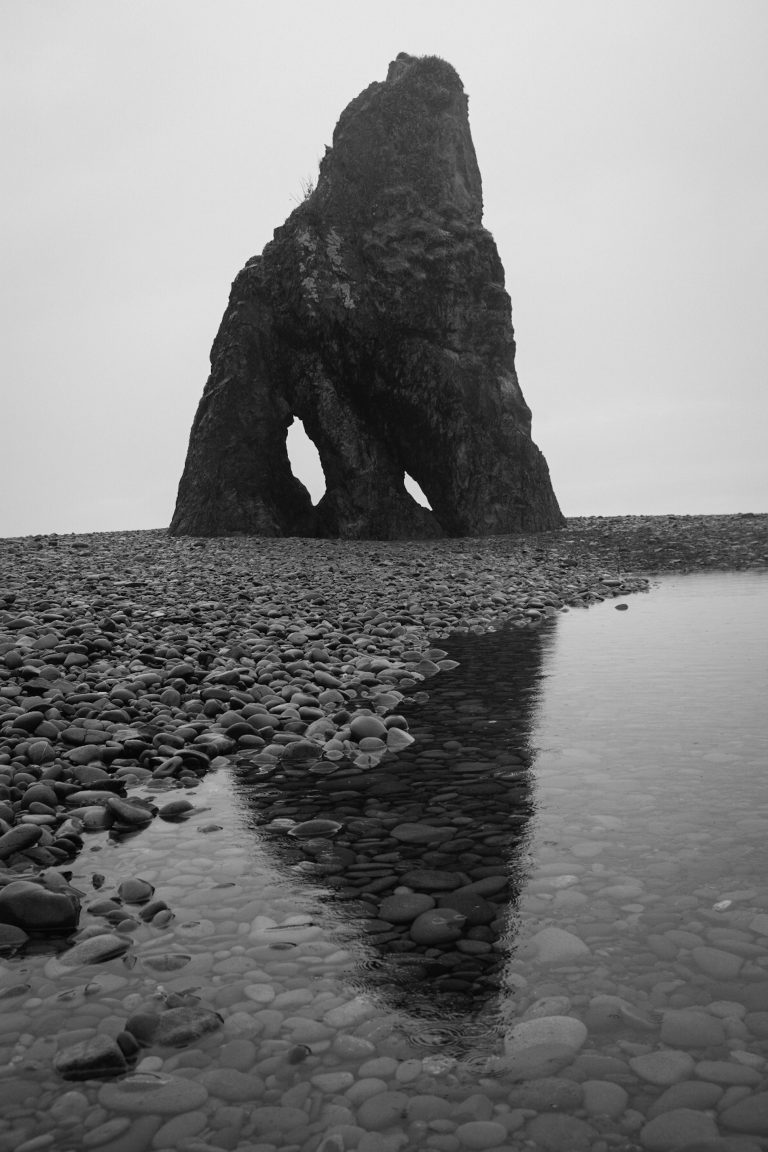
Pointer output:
x,y
377,316
404,144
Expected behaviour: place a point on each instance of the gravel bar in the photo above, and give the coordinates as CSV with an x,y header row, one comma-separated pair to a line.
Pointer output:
x,y
134,657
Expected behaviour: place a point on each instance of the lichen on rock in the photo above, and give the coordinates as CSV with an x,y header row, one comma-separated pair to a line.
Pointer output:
x,y
378,316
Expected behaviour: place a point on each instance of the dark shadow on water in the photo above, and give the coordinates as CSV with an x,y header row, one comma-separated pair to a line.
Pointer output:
x,y
468,776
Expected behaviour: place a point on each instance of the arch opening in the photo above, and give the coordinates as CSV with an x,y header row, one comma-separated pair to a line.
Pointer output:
x,y
414,490
304,459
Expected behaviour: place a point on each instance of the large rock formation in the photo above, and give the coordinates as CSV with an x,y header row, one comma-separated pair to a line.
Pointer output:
x,y
377,316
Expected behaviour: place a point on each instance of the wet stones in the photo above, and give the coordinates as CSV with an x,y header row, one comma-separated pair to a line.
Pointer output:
x,y
178,1027
542,1046
99,1057
554,945
682,1028
96,949
677,1129
18,839
405,907
437,926
748,1115
134,890
152,1093
210,931
35,909
665,1066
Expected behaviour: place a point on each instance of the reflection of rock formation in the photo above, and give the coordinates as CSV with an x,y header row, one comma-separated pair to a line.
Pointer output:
x,y
423,855
378,316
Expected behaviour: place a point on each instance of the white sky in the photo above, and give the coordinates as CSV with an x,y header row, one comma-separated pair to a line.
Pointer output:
x,y
150,147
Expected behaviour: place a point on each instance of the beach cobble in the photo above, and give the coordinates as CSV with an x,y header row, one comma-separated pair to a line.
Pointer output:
x,y
132,665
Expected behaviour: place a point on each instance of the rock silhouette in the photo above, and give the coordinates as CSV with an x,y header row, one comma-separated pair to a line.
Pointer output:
x,y
377,316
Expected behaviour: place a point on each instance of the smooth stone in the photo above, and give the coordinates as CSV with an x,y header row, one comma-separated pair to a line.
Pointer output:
x,y
684,1028
610,1013
757,1023
333,1082
425,1107
749,1115
474,907
105,1132
239,1054
594,1066
17,1090
142,1026
382,1111
33,908
548,1006
677,1128
556,946
432,880
95,950
694,1094
175,809
18,838
153,1093
479,1134
134,814
311,828
398,740
383,1066
541,1046
167,962
275,1118
231,1085
260,993
96,1058
546,1094
727,1072
421,833
135,890
437,926
11,937
402,908
93,817
179,1128
349,1014
138,1136
13,1022
178,1027
554,1133
665,1066
716,963
604,1098
362,726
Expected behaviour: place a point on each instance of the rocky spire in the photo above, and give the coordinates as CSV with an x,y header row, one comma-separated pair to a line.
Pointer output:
x,y
377,316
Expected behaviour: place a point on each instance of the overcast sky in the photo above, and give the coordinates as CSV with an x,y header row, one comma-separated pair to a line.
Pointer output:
x,y
150,147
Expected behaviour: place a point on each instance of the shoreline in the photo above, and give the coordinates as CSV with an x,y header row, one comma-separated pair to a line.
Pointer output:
x,y
133,664
133,657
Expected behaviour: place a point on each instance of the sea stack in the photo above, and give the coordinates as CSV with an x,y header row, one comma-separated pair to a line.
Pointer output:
x,y
377,316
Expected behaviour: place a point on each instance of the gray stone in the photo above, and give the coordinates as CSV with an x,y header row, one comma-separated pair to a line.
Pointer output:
x,y
18,838
178,1027
674,1129
33,908
97,1058
750,1115
95,950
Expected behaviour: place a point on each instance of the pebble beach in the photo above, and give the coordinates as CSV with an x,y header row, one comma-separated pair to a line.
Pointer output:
x,y
135,666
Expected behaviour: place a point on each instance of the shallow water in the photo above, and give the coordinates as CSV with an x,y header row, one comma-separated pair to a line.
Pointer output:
x,y
609,766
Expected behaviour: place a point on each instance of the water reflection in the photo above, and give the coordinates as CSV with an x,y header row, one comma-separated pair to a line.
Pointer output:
x,y
423,857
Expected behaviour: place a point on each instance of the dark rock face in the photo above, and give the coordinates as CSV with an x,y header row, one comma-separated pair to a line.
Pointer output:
x,y
377,316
